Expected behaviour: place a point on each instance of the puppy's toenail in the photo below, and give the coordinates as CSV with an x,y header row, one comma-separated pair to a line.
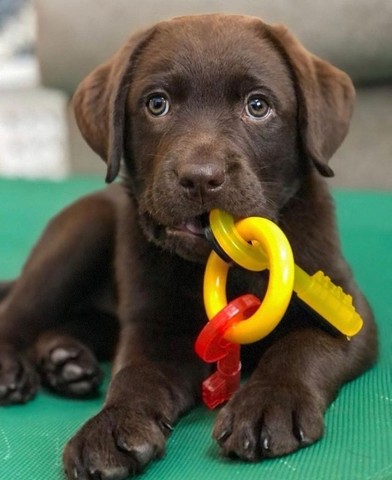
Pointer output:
x,y
223,436
266,444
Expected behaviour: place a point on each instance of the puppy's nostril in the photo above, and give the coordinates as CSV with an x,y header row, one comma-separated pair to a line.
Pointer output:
x,y
217,181
187,183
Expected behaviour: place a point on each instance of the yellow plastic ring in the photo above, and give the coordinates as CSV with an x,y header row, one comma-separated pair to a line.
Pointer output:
x,y
235,246
273,251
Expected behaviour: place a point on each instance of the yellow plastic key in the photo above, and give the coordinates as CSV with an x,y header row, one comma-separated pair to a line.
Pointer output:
x,y
328,300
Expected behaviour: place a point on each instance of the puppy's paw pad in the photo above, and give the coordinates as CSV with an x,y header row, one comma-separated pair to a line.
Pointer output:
x,y
71,370
18,379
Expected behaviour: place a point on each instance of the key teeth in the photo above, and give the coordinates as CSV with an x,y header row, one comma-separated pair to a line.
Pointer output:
x,y
218,388
214,391
333,289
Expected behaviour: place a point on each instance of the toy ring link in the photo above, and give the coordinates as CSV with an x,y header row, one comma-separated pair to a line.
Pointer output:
x,y
272,251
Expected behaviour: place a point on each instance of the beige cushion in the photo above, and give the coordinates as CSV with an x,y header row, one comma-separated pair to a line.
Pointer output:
x,y
74,36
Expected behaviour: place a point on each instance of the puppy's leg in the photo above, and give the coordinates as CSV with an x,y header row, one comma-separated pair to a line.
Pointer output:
x,y
5,289
281,408
67,263
156,378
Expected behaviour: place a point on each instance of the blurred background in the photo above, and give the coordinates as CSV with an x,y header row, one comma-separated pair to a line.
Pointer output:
x,y
48,46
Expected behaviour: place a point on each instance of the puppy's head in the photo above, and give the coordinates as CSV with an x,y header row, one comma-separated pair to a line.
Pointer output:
x,y
213,112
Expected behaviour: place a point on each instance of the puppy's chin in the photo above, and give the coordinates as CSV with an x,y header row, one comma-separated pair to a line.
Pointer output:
x,y
187,245
185,239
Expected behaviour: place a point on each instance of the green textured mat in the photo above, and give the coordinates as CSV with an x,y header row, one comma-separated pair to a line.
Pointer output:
x,y
358,440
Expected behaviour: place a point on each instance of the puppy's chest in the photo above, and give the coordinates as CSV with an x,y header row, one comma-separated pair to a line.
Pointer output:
x,y
241,282
188,290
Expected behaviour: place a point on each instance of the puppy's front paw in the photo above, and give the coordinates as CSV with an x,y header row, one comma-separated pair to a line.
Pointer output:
x,y
18,378
268,421
116,443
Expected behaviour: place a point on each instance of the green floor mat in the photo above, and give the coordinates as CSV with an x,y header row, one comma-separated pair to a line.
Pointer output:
x,y
358,437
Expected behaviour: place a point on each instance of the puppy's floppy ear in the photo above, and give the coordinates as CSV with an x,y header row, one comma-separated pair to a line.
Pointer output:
x,y
325,95
99,102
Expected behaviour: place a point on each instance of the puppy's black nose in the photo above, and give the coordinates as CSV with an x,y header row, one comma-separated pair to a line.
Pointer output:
x,y
201,179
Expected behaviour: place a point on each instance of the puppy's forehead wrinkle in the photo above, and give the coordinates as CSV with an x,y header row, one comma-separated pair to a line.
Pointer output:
x,y
217,54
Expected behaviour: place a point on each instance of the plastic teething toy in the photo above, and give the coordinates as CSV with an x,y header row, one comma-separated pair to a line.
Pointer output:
x,y
256,244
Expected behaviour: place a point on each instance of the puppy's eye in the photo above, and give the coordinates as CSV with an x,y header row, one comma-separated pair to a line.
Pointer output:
x,y
257,107
158,105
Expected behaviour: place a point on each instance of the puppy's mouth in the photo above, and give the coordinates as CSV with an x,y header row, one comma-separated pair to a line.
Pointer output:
x,y
185,237
193,226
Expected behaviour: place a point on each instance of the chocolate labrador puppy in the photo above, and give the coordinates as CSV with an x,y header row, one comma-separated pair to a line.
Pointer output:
x,y
205,112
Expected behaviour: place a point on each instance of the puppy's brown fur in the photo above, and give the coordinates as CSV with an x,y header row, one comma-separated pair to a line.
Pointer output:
x,y
252,121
